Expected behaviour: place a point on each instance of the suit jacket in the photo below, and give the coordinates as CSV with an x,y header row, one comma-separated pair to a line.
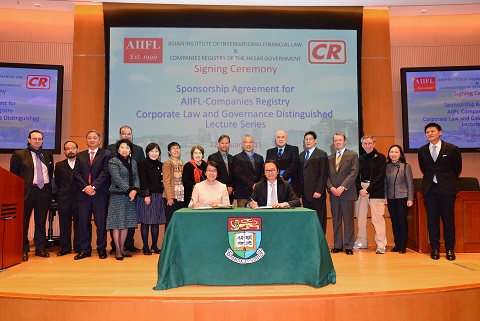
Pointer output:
x,y
315,173
67,188
150,174
21,164
346,175
100,175
137,153
188,178
289,163
245,174
223,176
447,168
285,193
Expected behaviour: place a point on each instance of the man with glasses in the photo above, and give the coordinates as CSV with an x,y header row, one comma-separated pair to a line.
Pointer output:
x,y
288,159
35,166
273,191
67,200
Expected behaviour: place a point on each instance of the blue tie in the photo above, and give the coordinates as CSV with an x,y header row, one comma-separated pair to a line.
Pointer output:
x,y
307,155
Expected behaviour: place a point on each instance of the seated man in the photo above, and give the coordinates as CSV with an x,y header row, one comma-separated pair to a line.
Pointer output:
x,y
272,190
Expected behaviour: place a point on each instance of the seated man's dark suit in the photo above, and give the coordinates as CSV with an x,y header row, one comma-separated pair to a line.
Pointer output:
x,y
224,176
36,199
245,174
285,193
67,190
96,204
289,163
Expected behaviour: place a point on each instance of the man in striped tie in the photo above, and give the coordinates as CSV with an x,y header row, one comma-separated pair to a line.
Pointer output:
x,y
343,170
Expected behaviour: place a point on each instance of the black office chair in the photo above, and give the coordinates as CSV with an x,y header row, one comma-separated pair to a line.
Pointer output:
x,y
468,184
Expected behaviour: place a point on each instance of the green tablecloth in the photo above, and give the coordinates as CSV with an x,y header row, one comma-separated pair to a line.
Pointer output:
x,y
291,248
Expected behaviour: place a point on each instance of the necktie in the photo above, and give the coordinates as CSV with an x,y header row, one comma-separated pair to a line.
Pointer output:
x,y
38,164
337,161
307,155
273,196
225,159
434,153
92,153
280,152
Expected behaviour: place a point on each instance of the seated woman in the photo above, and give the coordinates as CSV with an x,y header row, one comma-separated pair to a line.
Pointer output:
x,y
272,190
210,192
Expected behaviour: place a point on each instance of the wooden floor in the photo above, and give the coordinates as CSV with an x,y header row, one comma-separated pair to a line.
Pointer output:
x,y
409,286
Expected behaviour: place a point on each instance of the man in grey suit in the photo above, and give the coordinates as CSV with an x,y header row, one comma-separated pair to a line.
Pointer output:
x,y
138,155
343,170
35,166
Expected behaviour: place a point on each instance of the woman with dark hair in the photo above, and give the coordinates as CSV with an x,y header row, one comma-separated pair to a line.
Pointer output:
x,y
272,190
398,195
210,192
123,189
193,171
150,204
173,191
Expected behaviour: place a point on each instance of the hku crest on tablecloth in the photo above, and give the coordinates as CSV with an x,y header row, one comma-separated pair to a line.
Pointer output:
x,y
244,237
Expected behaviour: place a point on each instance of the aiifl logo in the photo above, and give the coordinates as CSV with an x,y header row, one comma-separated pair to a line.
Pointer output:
x,y
327,52
38,82
142,50
424,84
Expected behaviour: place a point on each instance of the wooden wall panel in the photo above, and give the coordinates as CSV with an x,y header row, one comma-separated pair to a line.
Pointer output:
x,y
88,98
377,79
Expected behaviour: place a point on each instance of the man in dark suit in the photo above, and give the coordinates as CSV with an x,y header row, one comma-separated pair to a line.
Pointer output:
x,y
342,173
288,159
35,166
441,164
93,180
138,155
314,174
273,190
67,190
225,164
247,168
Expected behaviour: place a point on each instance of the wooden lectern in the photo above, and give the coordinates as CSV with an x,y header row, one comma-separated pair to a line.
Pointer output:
x,y
11,219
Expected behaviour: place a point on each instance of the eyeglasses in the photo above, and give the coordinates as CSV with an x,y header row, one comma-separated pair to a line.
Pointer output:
x,y
270,170
212,170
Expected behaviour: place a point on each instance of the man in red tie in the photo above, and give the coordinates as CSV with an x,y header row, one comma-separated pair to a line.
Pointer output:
x,y
35,166
93,180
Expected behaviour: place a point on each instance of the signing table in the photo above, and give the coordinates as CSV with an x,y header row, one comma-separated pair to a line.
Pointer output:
x,y
244,246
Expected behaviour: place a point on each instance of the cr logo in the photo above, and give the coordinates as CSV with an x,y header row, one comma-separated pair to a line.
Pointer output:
x,y
38,82
327,52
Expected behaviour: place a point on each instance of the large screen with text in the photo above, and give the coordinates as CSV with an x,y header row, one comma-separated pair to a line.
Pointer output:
x,y
192,85
449,96
30,98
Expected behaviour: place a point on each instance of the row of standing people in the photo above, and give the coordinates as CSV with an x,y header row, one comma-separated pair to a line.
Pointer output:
x,y
311,173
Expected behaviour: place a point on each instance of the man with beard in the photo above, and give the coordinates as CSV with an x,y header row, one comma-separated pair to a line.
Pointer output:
x,y
35,166
67,199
